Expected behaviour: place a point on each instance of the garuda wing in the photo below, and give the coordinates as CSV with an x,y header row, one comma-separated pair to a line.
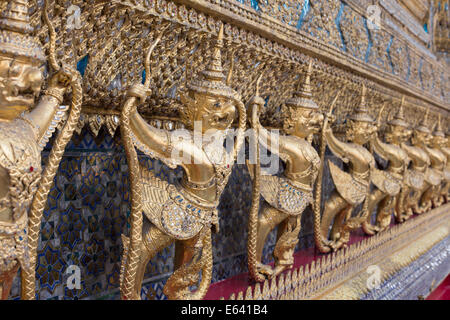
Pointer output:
x,y
283,195
414,179
447,174
385,182
169,210
353,191
433,176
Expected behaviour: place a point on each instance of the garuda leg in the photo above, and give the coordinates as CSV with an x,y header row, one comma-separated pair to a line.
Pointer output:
x,y
374,200
192,257
401,210
268,219
416,200
335,212
384,213
153,241
438,196
287,239
445,191
426,200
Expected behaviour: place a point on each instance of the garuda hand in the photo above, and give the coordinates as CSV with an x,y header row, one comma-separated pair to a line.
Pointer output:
x,y
63,78
139,91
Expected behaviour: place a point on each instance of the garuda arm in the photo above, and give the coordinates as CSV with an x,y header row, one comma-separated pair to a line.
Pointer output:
x,y
158,143
271,141
380,147
339,148
417,158
45,118
387,151
152,141
47,114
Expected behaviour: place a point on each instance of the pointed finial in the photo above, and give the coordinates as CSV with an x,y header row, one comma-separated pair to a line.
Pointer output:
x,y
401,111
220,36
363,94
306,91
214,70
15,33
362,113
423,126
362,105
303,97
439,123
308,77
214,82
380,114
439,131
399,118
425,119
434,126
15,17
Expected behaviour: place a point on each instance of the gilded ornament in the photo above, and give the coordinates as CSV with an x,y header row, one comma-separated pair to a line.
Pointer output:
x,y
287,196
438,164
185,212
420,166
352,188
25,128
446,188
390,188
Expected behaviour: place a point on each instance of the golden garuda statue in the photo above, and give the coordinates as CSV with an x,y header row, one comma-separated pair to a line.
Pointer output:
x,y
184,212
388,183
352,188
433,174
25,128
438,163
287,196
446,150
419,172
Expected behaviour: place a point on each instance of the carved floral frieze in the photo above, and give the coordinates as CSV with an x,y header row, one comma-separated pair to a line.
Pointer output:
x,y
108,37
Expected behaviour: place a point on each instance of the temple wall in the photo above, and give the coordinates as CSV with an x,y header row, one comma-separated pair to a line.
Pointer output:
x,y
87,211
89,205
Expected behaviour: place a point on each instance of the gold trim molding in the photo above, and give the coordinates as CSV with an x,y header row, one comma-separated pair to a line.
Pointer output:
x,y
114,56
242,16
344,271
